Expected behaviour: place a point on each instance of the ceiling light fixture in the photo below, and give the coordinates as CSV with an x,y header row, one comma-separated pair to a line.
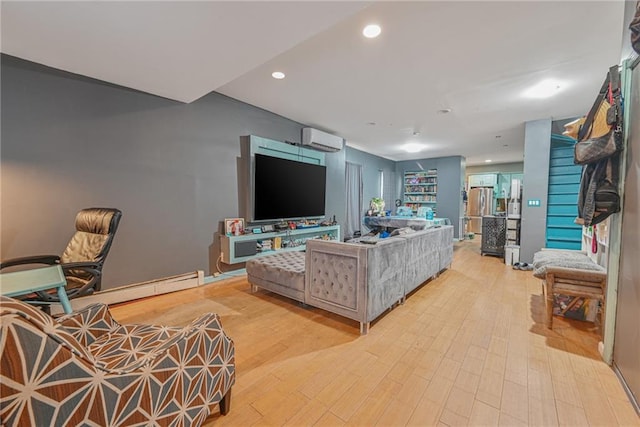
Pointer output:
x,y
444,111
488,161
413,147
278,75
371,31
544,89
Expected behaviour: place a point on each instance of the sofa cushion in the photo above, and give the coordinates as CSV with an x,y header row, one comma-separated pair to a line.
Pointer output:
x,y
286,268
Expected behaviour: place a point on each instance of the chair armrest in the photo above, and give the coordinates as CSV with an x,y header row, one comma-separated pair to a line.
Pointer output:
x,y
206,328
36,259
88,324
80,265
69,269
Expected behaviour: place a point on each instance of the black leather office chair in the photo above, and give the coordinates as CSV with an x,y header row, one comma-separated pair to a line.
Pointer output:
x,y
84,256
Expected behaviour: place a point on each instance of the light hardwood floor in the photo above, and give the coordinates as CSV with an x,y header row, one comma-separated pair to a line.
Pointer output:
x,y
468,348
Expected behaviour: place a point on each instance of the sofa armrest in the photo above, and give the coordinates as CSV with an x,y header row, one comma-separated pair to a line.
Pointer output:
x,y
89,323
354,280
336,278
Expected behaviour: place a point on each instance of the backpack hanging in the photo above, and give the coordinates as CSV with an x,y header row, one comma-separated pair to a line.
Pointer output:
x,y
598,197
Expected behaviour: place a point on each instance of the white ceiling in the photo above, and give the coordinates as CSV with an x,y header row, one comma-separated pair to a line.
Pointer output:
x,y
476,58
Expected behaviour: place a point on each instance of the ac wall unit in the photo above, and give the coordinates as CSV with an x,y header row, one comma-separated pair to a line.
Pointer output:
x,y
320,140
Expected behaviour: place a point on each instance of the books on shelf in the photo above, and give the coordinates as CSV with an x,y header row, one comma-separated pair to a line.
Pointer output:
x,y
420,189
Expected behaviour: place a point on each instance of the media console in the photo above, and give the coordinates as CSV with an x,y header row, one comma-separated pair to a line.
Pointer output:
x,y
236,249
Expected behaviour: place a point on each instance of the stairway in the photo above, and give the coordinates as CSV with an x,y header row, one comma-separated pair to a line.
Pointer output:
x,y
562,205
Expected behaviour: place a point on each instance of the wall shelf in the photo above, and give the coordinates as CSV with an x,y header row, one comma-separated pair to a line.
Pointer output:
x,y
291,240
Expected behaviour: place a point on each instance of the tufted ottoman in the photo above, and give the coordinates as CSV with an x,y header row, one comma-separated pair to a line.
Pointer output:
x,y
282,273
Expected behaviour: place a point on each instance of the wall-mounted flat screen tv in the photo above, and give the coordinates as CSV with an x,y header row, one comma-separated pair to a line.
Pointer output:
x,y
287,189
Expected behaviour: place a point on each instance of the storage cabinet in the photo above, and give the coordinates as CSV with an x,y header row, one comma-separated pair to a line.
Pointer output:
x,y
483,180
494,231
236,249
513,231
421,189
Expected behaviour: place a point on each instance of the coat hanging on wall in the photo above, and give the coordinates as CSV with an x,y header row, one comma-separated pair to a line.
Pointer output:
x,y
598,197
635,29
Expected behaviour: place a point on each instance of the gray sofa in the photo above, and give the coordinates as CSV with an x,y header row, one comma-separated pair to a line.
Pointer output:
x,y
356,280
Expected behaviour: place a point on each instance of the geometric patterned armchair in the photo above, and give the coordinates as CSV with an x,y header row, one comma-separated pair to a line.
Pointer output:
x,y
86,369
84,256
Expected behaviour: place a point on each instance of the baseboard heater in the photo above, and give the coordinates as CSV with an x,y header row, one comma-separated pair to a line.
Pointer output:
x,y
137,291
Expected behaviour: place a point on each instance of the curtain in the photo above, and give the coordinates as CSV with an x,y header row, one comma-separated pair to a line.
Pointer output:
x,y
354,199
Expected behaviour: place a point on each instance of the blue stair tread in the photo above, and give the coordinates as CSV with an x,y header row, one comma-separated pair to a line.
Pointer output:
x,y
563,193
552,239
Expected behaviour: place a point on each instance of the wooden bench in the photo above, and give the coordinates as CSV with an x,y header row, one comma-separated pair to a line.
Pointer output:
x,y
570,273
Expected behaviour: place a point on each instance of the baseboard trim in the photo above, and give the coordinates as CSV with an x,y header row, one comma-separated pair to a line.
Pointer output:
x,y
137,290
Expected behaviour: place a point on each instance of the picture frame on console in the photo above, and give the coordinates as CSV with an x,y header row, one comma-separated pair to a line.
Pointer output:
x,y
234,226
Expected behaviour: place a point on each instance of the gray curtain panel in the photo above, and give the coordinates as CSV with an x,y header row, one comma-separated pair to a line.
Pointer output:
x,y
354,199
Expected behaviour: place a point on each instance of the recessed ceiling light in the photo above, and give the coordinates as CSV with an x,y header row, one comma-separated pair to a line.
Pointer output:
x,y
412,147
444,111
371,31
544,89
278,75
488,161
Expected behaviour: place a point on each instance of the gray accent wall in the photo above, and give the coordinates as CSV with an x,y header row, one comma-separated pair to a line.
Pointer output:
x,y
451,172
537,145
69,142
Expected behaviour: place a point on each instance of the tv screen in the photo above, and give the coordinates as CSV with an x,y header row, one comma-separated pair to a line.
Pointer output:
x,y
286,189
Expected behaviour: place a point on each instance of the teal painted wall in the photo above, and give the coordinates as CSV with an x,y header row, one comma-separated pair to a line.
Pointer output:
x,y
450,184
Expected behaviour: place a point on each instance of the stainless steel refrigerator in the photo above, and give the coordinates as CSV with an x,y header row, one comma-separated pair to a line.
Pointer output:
x,y
479,204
